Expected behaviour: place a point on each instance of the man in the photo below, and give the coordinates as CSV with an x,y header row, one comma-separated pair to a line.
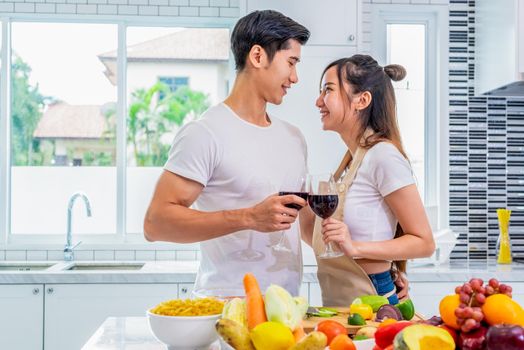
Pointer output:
x,y
228,165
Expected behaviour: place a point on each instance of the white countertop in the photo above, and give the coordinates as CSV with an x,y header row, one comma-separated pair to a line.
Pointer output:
x,y
185,272
126,333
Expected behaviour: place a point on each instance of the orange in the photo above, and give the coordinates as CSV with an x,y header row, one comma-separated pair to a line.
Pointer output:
x,y
447,307
342,342
499,309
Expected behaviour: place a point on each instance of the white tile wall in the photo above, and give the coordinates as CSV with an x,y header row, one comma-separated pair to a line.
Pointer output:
x,y
148,10
125,255
170,8
159,2
188,11
15,255
37,255
186,255
83,255
145,255
2,254
104,255
209,12
166,255
55,255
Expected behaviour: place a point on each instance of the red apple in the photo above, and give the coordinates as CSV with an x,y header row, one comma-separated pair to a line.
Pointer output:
x,y
505,337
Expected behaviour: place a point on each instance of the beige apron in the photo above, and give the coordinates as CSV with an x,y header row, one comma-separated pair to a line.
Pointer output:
x,y
341,279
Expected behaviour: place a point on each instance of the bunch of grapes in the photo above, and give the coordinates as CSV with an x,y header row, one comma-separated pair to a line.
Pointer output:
x,y
472,296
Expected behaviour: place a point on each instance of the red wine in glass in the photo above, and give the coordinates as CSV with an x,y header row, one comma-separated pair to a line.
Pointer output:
x,y
324,205
303,195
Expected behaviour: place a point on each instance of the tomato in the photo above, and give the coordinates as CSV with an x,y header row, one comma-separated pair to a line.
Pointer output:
x,y
342,342
331,329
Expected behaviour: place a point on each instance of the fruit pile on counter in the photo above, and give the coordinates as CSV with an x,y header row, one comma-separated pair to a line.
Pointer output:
x,y
477,317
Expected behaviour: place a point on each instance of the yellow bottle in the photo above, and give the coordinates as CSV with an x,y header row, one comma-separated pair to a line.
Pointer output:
x,y
504,253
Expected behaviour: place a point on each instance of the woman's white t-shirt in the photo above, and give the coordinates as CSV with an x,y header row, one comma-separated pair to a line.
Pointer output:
x,y
383,171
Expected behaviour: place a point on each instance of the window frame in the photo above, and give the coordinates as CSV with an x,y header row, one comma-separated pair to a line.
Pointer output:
x,y
120,239
436,136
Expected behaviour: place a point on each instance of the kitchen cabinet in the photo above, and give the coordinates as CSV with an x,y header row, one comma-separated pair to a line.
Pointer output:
x,y
331,22
185,290
74,311
499,38
520,36
21,316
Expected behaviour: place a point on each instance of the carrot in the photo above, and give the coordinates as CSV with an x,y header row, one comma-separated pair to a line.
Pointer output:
x,y
256,312
299,333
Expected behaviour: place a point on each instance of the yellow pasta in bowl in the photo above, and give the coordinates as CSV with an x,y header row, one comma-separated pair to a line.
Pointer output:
x,y
172,321
189,307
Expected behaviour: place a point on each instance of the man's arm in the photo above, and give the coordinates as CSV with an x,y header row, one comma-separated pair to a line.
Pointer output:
x,y
170,219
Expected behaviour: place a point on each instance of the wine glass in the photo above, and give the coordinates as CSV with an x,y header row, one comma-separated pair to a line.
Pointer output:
x,y
323,200
248,253
295,186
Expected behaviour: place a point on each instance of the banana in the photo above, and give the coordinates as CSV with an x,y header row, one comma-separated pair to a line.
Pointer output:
x,y
234,334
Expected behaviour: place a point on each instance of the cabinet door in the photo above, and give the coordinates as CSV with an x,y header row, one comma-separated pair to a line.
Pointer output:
x,y
21,316
331,22
185,290
520,36
73,312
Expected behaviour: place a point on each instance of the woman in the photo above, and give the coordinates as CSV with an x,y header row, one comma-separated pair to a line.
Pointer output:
x,y
380,220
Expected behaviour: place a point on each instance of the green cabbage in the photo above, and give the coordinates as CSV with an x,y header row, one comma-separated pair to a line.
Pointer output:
x,y
282,308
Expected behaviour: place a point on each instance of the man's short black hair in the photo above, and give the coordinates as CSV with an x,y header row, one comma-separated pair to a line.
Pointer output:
x,y
269,29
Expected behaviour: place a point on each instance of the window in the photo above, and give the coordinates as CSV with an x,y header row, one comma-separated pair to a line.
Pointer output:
x,y
62,111
416,37
173,83
177,85
406,46
96,110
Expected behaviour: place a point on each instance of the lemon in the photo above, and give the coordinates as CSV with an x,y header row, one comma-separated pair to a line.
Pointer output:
x,y
272,335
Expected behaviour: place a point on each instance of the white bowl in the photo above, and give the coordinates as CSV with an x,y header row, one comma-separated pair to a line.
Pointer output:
x,y
366,344
184,332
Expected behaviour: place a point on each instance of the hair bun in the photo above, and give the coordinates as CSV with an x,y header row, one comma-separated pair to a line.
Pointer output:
x,y
395,71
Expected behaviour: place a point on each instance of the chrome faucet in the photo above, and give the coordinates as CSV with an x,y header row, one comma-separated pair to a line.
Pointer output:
x,y
68,249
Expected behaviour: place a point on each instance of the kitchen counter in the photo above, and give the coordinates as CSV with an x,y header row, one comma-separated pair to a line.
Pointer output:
x,y
126,333
185,272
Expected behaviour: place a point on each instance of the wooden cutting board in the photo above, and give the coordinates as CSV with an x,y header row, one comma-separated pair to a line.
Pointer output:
x,y
310,322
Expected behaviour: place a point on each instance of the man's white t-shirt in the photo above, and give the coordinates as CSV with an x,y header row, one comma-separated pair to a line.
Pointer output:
x,y
240,164
383,171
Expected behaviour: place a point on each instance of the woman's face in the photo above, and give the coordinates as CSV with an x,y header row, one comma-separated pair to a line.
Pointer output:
x,y
336,111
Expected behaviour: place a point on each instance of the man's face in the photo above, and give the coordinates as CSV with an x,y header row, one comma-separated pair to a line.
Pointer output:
x,y
278,76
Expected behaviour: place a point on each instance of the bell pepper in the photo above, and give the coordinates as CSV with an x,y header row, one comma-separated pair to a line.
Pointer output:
x,y
384,336
364,310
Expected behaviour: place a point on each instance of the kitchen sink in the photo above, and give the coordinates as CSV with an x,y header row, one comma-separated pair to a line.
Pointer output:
x,y
107,266
23,266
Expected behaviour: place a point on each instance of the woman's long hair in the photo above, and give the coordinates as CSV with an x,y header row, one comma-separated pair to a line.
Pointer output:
x,y
363,73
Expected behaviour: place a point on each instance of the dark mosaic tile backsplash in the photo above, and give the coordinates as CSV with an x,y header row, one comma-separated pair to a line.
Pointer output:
x,y
486,150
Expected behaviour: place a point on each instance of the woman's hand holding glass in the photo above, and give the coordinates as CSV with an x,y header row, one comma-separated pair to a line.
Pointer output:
x,y
337,231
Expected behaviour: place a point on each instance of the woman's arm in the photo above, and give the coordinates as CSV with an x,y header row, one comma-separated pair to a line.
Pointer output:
x,y
417,241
